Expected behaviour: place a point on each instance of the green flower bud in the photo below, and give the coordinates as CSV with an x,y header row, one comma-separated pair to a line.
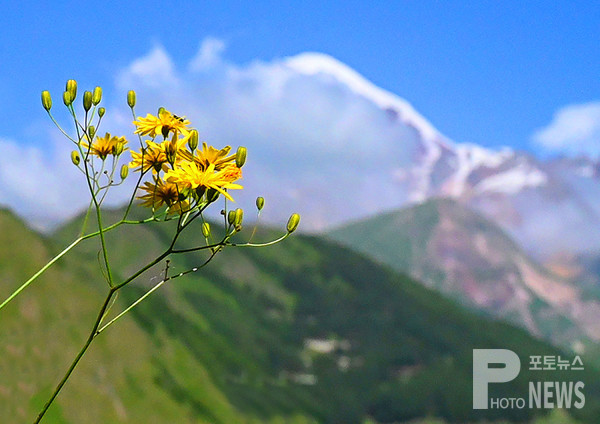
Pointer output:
x,y
72,89
97,95
193,140
231,217
124,171
239,217
260,203
131,98
119,146
101,112
240,157
87,100
293,223
91,131
171,151
160,110
75,157
206,229
46,100
67,99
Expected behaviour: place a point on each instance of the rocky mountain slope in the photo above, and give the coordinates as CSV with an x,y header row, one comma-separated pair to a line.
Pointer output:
x,y
463,254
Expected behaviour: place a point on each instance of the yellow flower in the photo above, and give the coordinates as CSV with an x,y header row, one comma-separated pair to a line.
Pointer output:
x,y
104,146
164,123
163,193
209,155
152,157
157,155
188,175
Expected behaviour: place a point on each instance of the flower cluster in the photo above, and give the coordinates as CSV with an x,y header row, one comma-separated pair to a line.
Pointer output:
x,y
183,176
184,181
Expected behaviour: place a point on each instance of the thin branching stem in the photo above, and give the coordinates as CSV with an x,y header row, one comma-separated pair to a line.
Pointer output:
x,y
156,287
63,252
85,347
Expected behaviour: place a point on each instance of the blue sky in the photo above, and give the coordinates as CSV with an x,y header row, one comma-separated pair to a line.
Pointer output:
x,y
521,74
486,72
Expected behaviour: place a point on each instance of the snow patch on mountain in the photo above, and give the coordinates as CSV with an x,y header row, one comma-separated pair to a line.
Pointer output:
x,y
513,180
470,157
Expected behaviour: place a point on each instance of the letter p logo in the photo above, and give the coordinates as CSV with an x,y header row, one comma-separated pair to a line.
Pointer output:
x,y
483,374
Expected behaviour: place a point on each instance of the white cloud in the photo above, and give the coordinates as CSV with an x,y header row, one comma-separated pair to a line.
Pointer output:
x,y
42,185
209,54
314,146
155,70
575,129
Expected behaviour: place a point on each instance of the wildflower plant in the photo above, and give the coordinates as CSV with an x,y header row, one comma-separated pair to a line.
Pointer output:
x,y
175,179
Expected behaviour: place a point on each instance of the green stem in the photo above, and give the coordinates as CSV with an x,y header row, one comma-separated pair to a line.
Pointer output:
x,y
85,219
85,347
270,243
149,292
144,269
94,199
41,271
95,332
133,305
61,254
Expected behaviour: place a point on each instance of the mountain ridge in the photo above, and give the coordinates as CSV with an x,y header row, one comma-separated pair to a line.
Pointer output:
x,y
461,253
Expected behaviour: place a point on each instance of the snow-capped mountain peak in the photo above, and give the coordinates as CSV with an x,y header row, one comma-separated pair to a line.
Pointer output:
x,y
543,205
312,63
464,158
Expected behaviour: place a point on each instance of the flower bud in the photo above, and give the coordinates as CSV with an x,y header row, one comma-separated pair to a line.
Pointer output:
x,y
87,100
67,99
293,223
160,110
231,217
72,89
119,146
260,203
91,131
131,98
75,157
124,171
171,151
193,140
240,157
101,112
239,217
46,100
206,229
97,95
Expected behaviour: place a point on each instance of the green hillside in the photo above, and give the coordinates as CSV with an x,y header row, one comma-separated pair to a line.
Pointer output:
x,y
305,331
467,257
